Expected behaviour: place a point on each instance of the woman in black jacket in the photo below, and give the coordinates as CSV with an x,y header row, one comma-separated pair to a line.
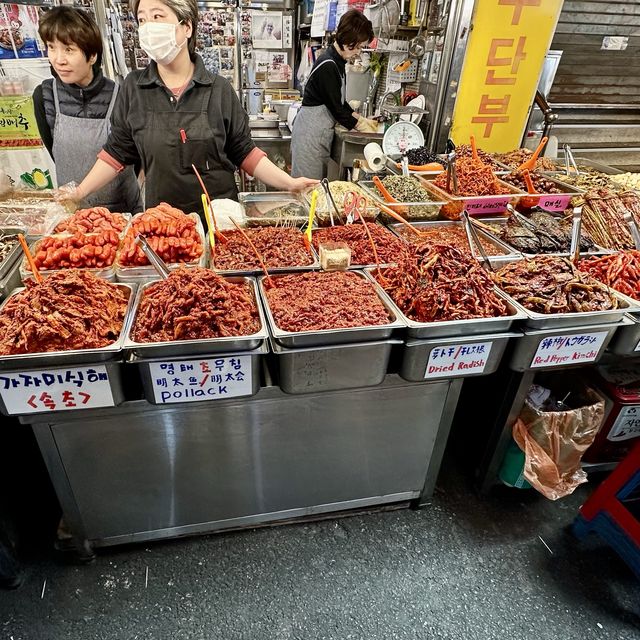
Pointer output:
x,y
73,108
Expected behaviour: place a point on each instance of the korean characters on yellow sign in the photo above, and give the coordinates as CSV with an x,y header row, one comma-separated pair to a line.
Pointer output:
x,y
502,66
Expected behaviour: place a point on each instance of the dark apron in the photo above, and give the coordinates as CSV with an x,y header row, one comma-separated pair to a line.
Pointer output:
x,y
167,160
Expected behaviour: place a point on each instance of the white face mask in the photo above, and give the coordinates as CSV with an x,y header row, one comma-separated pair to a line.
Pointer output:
x,y
158,39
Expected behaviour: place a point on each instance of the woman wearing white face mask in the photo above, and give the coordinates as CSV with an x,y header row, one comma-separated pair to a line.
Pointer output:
x,y
175,114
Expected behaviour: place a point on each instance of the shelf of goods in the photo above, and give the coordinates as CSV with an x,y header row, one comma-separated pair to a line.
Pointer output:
x,y
255,398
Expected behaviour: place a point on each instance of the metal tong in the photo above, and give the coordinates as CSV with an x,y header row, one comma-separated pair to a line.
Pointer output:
x,y
405,166
633,226
576,229
158,263
328,197
569,160
474,239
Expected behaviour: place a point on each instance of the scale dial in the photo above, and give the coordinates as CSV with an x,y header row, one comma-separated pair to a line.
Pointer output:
x,y
400,137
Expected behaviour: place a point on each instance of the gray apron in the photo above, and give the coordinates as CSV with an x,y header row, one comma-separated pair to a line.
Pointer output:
x,y
76,144
312,137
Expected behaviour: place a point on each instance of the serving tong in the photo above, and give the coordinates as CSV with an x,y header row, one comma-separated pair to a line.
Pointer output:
x,y
156,261
633,227
569,160
474,239
329,198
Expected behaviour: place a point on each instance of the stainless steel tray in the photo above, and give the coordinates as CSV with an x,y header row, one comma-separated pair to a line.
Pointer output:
x,y
78,356
416,353
527,346
11,280
510,253
586,162
185,348
332,368
434,204
558,320
12,256
326,337
626,342
452,328
256,356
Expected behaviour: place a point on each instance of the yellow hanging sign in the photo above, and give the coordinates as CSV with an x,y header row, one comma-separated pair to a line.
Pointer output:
x,y
502,66
18,128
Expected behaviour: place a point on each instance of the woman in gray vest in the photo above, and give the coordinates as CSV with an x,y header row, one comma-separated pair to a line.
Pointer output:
x,y
73,109
324,104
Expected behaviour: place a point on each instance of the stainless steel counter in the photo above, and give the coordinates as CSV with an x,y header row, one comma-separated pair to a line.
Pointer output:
x,y
347,146
140,472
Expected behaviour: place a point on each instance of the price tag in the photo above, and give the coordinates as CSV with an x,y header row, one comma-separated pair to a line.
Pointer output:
x,y
555,202
559,351
198,380
486,206
458,359
627,424
60,389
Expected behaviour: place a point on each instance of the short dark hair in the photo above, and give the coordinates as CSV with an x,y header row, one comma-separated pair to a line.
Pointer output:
x,y
354,28
72,26
186,11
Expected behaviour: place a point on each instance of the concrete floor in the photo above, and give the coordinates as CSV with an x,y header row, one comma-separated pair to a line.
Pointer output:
x,y
463,568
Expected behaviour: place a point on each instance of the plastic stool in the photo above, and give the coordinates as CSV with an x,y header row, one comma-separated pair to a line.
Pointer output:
x,y
605,514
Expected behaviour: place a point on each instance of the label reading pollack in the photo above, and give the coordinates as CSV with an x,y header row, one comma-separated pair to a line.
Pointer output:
x,y
458,360
202,379
562,351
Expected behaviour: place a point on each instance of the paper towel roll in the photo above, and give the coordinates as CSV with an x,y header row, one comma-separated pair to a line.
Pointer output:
x,y
374,155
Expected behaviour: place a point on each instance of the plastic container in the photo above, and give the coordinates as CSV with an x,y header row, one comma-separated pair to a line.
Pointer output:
x,y
273,208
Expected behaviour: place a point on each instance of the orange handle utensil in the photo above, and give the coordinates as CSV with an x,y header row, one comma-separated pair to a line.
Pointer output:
x,y
474,148
399,218
387,196
529,202
432,166
30,260
530,164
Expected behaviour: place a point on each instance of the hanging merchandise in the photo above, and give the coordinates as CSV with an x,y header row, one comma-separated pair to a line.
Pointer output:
x,y
19,32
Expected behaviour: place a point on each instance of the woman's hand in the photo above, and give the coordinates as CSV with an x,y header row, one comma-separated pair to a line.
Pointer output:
x,y
68,193
300,184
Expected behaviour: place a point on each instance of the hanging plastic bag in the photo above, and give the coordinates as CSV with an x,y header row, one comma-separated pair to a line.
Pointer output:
x,y
555,440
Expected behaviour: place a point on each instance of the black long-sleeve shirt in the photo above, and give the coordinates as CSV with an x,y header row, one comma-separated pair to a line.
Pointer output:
x,y
325,87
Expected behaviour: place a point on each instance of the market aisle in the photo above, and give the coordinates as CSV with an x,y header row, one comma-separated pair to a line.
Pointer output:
x,y
462,568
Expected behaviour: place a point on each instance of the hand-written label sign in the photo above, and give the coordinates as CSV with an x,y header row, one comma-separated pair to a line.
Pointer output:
x,y
555,202
627,424
203,379
559,351
458,360
486,206
60,389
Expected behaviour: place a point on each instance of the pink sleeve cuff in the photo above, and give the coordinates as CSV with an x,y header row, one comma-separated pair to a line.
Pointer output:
x,y
110,160
250,163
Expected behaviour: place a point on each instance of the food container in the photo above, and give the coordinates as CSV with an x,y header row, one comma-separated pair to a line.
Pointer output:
x,y
627,339
10,280
7,264
147,273
114,373
37,216
273,208
528,348
418,211
554,202
77,356
144,367
294,339
452,328
182,348
535,320
474,205
447,358
332,368
586,164
503,250
323,217
106,273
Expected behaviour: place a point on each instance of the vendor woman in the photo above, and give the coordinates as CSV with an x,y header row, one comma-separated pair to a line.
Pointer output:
x,y
175,114
324,102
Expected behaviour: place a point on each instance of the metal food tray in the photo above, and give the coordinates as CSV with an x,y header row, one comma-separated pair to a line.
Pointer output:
x,y
326,337
416,353
255,354
453,328
9,261
450,200
567,189
626,342
185,348
333,368
537,320
11,280
284,197
313,266
323,217
62,358
435,205
586,162
509,252
147,273
106,273
599,251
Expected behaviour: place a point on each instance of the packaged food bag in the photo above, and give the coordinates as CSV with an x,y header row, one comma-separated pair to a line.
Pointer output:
x,y
554,435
